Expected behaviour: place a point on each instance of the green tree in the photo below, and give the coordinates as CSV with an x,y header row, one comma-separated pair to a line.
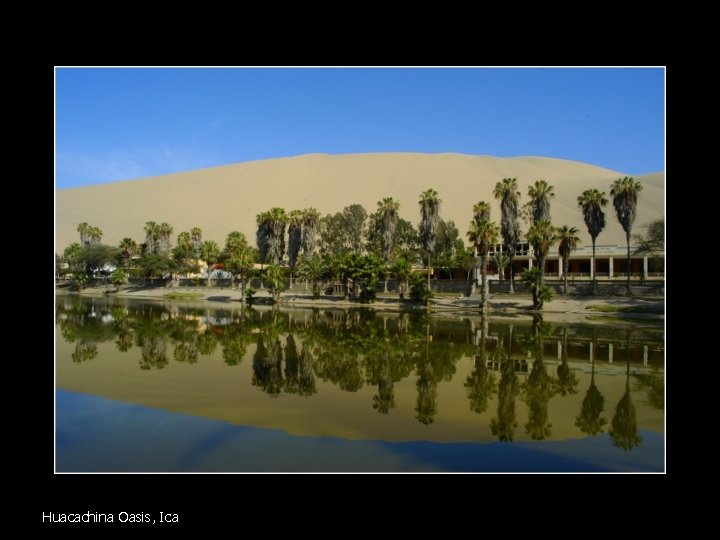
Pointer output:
x,y
210,253
447,243
196,239
128,248
402,269
419,291
540,194
569,241
652,243
481,210
295,225
344,232
429,220
542,235
624,192
275,277
501,261
314,271
592,203
484,235
311,220
507,193
117,278
236,256
388,210
164,230
532,279
151,237
89,235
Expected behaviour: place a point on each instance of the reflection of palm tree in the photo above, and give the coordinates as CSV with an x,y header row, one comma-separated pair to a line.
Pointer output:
x,y
292,362
384,399
207,341
623,430
84,350
426,407
538,391
590,419
567,380
267,371
153,352
504,424
539,386
481,382
306,375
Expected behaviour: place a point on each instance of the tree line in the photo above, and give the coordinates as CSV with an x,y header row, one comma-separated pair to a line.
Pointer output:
x,y
358,250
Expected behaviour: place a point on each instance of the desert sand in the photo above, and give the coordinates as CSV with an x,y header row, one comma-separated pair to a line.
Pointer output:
x,y
221,199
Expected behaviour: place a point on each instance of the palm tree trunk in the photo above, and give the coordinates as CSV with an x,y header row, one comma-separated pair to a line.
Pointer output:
x,y
512,289
592,268
627,237
566,267
485,289
429,272
386,280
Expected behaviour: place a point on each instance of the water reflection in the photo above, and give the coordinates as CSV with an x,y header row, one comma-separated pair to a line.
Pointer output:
x,y
590,419
539,386
623,428
508,373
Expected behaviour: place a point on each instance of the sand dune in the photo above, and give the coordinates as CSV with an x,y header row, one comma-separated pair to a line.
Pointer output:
x,y
221,199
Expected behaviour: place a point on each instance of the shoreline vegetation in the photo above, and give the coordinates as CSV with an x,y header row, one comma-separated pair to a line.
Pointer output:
x,y
571,308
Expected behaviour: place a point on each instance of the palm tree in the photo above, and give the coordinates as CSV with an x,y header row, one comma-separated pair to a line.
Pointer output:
x,y
592,202
313,269
484,235
624,192
388,209
276,279
236,256
83,230
569,241
402,270
311,218
429,220
540,194
164,230
94,235
128,248
501,261
508,194
184,245
542,235
481,210
261,237
210,252
295,225
196,239
151,236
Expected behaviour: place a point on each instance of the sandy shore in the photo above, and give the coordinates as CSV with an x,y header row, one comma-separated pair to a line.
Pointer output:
x,y
560,309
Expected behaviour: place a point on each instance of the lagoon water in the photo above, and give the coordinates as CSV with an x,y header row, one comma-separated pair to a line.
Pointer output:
x,y
177,387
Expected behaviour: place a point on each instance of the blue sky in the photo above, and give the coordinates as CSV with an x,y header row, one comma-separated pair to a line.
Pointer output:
x,y
117,124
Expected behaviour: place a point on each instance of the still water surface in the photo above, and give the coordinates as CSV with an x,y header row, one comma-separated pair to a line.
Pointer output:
x,y
167,387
